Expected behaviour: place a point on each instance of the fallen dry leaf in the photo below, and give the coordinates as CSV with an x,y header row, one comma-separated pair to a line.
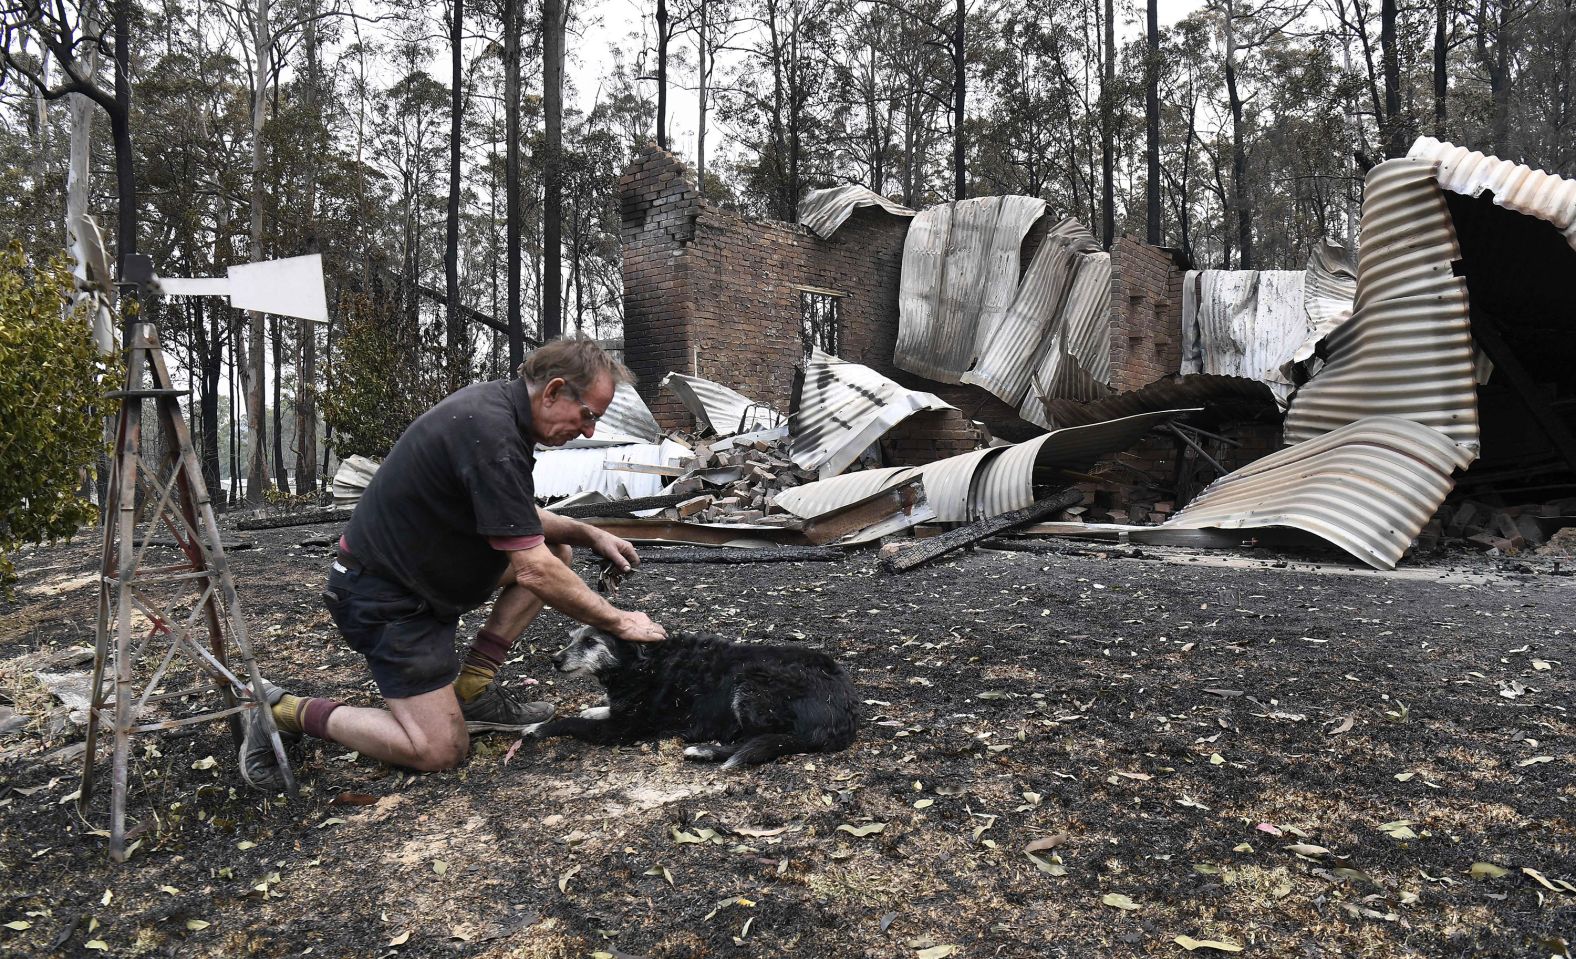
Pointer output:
x,y
1118,901
1190,944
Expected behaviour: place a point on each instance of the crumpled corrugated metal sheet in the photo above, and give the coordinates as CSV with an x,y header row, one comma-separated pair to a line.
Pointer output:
x,y
351,479
560,472
1055,338
1407,350
984,482
843,407
1244,323
960,274
1173,392
1328,290
1330,286
1515,187
823,211
719,409
628,416
1368,487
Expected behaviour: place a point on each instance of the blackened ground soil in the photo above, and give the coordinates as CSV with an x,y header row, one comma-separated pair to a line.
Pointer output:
x,y
1167,725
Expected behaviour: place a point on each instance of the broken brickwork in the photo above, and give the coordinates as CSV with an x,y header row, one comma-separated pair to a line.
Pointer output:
x,y
712,293
1146,314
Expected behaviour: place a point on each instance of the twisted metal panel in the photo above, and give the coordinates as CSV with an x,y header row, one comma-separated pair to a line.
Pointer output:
x,y
719,409
1367,487
823,211
1515,187
1407,350
960,275
843,407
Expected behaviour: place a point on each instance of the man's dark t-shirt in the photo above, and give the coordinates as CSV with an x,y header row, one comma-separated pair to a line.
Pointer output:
x,y
460,474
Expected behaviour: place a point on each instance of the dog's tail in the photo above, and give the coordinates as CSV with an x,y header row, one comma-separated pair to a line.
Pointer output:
x,y
764,749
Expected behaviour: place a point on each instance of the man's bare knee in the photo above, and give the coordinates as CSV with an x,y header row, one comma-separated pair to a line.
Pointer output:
x,y
440,758
563,551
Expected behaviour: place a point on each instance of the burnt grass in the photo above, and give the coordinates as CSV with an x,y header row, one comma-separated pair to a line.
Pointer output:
x,y
1163,726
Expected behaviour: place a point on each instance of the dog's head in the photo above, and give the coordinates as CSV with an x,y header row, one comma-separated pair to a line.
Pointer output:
x,y
591,651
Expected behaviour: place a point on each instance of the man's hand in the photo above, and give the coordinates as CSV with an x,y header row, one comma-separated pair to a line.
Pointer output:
x,y
637,627
620,552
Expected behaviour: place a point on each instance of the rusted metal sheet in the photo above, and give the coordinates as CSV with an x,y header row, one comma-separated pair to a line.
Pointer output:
x,y
823,211
1515,187
984,482
718,408
1368,487
1056,333
1173,392
960,275
843,407
1407,349
1244,323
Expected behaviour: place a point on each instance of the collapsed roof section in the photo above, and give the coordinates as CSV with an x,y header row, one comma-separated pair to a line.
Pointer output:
x,y
719,409
823,211
1055,338
983,483
959,277
840,408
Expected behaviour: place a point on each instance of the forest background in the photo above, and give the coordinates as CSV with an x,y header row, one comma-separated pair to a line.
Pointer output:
x,y
456,163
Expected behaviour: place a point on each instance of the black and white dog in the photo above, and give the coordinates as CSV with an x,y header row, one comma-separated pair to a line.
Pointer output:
x,y
738,705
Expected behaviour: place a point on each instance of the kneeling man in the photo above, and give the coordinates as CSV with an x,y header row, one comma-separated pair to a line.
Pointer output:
x,y
447,518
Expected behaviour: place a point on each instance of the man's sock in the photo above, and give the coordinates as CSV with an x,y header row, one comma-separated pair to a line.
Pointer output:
x,y
481,664
300,714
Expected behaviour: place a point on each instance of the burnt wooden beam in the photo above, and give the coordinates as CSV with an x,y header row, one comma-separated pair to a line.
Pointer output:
x,y
909,556
295,519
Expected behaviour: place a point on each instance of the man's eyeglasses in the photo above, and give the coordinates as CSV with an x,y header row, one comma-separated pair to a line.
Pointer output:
x,y
587,414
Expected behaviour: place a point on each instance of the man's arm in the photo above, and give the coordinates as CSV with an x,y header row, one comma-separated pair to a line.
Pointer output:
x,y
539,571
571,532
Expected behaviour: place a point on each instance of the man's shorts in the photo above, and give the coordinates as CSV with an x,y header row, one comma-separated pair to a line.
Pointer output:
x,y
408,645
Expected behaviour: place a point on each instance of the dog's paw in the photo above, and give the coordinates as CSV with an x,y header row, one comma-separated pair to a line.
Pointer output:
x,y
733,762
598,713
704,754
532,731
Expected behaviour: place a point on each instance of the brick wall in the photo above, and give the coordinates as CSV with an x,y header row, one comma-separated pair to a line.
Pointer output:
x,y
1146,314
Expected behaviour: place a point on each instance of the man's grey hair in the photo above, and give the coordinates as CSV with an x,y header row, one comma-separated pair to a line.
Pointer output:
x,y
578,360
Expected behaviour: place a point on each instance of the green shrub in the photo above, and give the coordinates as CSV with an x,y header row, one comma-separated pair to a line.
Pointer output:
x,y
51,388
385,374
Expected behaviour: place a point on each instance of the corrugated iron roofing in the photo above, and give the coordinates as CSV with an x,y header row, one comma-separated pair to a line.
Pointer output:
x,y
823,211
1076,363
1033,336
1244,323
628,416
1173,392
719,409
1407,350
560,472
959,276
984,482
843,407
1368,487
1515,187
1330,286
